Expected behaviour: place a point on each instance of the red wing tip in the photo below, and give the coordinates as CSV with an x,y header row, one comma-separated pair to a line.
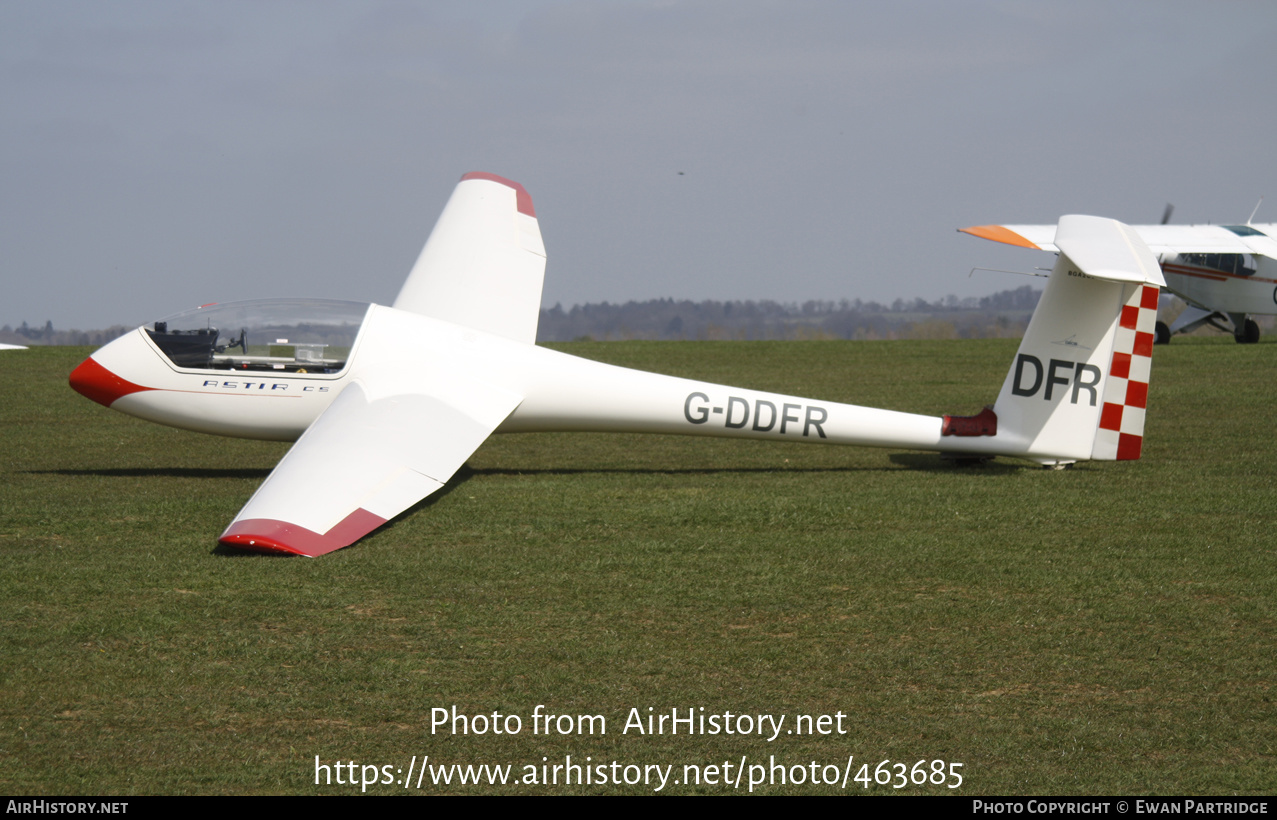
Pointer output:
x,y
93,381
523,198
261,543
273,536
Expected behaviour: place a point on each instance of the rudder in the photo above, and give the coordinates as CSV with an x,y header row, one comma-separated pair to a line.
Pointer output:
x,y
1120,434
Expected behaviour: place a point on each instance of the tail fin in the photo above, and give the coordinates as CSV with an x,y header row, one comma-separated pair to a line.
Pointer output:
x,y
1079,384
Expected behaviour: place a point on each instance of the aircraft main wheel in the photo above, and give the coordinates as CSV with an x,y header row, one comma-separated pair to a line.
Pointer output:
x,y
1249,334
1161,334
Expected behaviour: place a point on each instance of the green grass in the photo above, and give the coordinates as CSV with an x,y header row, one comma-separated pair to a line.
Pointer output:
x,y
1106,629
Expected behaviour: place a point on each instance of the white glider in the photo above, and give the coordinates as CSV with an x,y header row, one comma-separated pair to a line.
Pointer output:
x,y
386,403
1225,273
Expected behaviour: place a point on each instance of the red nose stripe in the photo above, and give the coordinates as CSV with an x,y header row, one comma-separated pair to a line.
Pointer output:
x,y
94,381
270,535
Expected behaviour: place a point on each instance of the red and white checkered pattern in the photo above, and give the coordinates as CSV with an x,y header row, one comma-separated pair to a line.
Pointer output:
x,y
1121,431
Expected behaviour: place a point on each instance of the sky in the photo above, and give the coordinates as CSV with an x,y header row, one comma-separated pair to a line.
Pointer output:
x,y
155,156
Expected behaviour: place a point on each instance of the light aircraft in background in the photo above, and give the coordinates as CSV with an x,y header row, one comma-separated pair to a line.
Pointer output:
x,y
12,347
387,403
1225,273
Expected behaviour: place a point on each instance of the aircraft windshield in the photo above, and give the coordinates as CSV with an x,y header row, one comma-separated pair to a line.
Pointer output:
x,y
312,336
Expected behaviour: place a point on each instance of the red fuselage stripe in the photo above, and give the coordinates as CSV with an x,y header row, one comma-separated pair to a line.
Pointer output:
x,y
1212,274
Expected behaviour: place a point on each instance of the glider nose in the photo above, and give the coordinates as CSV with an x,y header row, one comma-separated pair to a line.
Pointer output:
x,y
96,382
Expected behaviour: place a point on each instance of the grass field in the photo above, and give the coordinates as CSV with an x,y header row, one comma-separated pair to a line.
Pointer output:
x,y
1106,629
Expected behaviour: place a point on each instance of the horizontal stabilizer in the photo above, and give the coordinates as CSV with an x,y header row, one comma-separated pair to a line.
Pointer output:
x,y
1107,249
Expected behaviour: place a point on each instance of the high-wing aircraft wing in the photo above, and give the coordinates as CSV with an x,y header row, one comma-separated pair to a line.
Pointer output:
x,y
1223,272
384,444
487,243
1161,239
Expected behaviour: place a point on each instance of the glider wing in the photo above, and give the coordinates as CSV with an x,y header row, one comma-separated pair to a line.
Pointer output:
x,y
484,263
379,448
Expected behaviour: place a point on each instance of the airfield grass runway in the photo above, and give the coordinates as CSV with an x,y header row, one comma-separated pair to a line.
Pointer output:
x,y
1106,629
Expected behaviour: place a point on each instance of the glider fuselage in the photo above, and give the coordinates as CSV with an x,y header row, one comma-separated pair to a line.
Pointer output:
x,y
561,393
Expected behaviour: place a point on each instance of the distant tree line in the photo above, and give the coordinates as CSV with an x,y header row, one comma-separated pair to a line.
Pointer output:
x,y
25,335
1004,314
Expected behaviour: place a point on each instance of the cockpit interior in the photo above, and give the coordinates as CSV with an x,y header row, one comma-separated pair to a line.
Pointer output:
x,y
304,336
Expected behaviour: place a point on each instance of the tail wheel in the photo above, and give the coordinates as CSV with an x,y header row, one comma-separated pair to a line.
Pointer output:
x,y
1161,334
1249,334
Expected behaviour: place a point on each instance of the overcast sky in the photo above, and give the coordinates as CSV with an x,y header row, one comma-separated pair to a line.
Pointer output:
x,y
160,155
